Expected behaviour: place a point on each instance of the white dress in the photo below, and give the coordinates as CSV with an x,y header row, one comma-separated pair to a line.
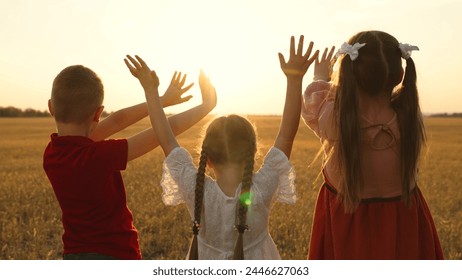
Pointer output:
x,y
275,181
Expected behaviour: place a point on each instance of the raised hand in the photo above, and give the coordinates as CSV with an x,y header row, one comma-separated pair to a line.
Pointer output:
x,y
174,92
323,67
141,71
209,94
298,63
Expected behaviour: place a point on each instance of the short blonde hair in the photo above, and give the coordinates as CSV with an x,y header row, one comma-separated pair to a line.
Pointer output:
x,y
76,94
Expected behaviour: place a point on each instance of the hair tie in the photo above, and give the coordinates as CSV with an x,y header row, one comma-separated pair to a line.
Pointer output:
x,y
241,228
351,50
406,50
196,226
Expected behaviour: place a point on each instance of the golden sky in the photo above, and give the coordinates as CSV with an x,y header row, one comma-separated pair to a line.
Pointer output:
x,y
235,42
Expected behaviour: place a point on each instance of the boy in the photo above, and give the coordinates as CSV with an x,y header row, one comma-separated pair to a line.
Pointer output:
x,y
84,168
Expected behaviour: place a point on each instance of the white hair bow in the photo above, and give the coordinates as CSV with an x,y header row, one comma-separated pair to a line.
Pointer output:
x,y
350,50
407,49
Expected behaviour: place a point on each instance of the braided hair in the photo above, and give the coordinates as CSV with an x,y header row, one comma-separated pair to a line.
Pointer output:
x,y
228,139
243,204
198,198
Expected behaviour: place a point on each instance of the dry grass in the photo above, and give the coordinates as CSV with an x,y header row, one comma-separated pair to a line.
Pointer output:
x,y
30,225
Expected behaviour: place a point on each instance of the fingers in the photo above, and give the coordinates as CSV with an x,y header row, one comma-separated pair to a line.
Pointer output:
x,y
327,57
203,79
185,99
300,45
143,64
292,46
315,56
299,62
209,94
308,51
331,53
173,78
317,62
205,83
299,49
282,61
187,88
130,67
134,62
324,54
202,75
137,65
178,80
181,83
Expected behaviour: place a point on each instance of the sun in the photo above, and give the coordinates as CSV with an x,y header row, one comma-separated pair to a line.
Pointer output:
x,y
223,56
239,56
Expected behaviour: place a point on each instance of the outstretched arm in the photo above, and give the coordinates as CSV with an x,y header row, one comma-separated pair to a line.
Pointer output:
x,y
125,117
147,140
162,129
294,69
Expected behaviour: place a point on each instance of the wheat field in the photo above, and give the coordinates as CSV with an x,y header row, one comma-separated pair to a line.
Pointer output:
x,y
30,218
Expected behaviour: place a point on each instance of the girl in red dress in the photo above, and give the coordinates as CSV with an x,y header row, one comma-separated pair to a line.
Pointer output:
x,y
371,127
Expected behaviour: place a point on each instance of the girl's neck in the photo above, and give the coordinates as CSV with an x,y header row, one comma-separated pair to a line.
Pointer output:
x,y
228,177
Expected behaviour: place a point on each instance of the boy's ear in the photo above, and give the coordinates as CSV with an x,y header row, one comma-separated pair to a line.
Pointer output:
x,y
98,113
50,108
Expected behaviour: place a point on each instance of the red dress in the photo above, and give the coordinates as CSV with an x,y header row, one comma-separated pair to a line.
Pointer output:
x,y
379,229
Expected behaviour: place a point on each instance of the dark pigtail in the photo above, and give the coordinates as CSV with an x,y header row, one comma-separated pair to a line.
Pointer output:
x,y
412,131
243,203
199,195
349,135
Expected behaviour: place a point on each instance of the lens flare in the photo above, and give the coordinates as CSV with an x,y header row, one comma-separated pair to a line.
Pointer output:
x,y
246,199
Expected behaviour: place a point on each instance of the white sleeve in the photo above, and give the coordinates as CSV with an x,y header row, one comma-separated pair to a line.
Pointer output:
x,y
276,178
178,177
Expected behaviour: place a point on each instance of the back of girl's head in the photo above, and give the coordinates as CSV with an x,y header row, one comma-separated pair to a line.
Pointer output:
x,y
227,140
376,70
76,94
378,67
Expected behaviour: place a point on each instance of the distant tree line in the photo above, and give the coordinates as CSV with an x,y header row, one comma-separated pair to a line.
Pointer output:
x,y
446,115
12,112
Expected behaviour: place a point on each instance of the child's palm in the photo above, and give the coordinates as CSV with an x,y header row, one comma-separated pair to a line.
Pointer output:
x,y
298,64
174,92
323,67
209,94
140,70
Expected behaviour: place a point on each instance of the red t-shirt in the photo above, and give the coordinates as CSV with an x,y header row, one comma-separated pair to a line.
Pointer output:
x,y
86,179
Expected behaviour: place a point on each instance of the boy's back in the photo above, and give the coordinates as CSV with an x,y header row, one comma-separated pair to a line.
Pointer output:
x,y
86,179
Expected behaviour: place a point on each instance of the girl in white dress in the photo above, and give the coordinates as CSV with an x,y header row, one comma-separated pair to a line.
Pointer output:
x,y
231,212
